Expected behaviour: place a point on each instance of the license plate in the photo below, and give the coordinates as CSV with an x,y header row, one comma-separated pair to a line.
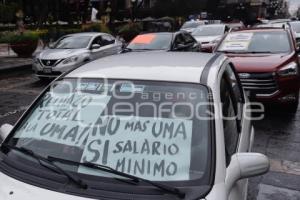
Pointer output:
x,y
47,70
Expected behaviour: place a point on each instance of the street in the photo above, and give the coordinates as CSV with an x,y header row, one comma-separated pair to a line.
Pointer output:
x,y
277,136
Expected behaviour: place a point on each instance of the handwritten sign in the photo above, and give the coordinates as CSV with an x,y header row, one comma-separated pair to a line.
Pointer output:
x,y
64,119
155,149
237,42
143,39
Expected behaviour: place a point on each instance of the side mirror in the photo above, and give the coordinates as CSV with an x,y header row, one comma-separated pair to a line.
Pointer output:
x,y
246,165
4,131
95,46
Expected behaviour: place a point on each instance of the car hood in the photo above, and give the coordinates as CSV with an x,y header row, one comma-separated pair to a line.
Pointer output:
x,y
202,39
189,30
11,189
56,54
258,62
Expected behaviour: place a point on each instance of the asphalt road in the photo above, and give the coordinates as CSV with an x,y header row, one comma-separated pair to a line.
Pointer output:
x,y
277,136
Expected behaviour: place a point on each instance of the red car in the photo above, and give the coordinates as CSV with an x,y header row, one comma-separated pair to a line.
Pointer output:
x,y
267,62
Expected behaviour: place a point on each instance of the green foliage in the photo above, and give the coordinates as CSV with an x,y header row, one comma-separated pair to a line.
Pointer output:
x,y
129,31
14,37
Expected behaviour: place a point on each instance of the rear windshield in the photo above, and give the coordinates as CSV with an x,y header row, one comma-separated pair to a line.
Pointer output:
x,y
192,24
209,31
256,42
151,42
155,130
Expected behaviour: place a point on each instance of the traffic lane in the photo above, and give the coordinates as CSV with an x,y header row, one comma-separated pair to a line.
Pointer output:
x,y
278,137
17,91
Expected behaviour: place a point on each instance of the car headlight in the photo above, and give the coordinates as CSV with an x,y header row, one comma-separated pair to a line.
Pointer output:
x,y
73,59
289,70
36,60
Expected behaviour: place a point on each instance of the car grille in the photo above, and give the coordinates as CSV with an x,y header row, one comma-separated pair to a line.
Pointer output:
x,y
48,63
259,83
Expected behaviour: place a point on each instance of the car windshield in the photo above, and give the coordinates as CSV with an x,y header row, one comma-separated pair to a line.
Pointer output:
x,y
155,130
191,25
296,26
73,42
209,31
256,42
151,42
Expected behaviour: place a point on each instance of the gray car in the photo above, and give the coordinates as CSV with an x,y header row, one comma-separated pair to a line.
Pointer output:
x,y
73,50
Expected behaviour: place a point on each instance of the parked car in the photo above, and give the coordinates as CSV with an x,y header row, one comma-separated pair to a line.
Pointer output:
x,y
73,50
164,41
295,26
124,127
267,62
210,35
277,23
190,26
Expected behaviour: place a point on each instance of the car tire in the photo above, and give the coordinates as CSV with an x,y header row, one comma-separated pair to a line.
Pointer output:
x,y
293,106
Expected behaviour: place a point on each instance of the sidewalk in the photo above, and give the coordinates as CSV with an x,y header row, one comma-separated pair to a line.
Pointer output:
x,y
10,61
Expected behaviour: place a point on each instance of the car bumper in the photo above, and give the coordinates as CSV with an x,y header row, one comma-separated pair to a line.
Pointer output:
x,y
284,93
51,72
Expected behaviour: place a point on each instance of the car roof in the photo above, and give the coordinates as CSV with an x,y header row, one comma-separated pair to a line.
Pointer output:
x,y
156,66
158,33
260,29
92,34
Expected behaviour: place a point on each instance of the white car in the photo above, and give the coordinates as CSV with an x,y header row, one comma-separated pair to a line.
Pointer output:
x,y
210,35
153,125
190,26
73,50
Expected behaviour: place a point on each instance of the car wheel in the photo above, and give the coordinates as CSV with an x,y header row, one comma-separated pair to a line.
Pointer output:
x,y
293,106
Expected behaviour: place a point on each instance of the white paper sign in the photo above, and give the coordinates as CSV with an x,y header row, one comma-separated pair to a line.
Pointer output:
x,y
155,149
64,119
237,42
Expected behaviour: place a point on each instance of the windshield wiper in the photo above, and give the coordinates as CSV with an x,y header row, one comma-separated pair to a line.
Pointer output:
x,y
257,52
135,179
41,159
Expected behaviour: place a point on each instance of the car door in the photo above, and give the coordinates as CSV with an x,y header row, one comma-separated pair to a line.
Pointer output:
x,y
100,52
178,43
110,45
192,44
236,124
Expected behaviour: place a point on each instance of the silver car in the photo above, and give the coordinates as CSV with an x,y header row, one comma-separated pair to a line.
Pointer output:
x,y
73,50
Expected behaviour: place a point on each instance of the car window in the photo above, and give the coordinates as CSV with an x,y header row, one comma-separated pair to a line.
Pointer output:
x,y
98,40
295,26
188,38
237,92
107,40
73,42
151,42
179,39
256,42
230,122
155,130
209,31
